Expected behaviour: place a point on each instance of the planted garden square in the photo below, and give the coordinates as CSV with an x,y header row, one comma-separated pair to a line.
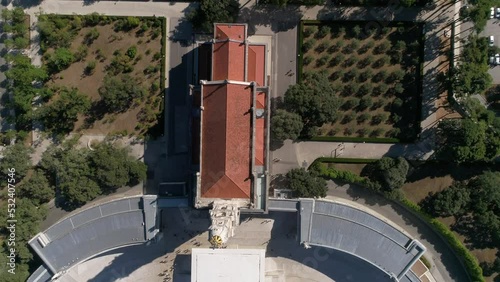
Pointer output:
x,y
375,72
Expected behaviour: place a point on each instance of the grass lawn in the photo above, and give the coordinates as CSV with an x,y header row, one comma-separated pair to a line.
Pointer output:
x,y
377,74
109,48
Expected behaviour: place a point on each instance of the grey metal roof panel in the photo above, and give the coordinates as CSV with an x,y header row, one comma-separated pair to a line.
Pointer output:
x,y
85,217
118,206
41,274
282,205
59,229
360,217
360,241
90,239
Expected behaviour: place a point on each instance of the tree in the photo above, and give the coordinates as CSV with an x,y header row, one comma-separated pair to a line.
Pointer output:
x,y
313,99
61,59
390,173
15,157
306,184
213,11
286,125
37,188
454,200
463,140
485,191
118,92
112,166
61,115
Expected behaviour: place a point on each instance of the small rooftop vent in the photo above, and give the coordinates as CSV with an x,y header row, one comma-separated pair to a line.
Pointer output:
x,y
259,113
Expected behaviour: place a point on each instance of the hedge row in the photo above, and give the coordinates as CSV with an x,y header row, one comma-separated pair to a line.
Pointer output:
x,y
345,160
470,262
355,139
163,61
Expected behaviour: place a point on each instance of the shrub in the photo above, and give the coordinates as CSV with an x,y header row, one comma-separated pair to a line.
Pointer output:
x,y
377,132
366,61
307,60
379,103
395,118
307,45
323,31
362,132
396,75
382,47
397,103
381,62
356,30
398,88
155,86
90,68
337,59
350,103
350,61
322,46
333,132
380,89
61,59
350,90
354,45
348,131
365,75
365,102
380,76
348,117
363,117
336,75
308,31
132,51
379,118
148,51
81,53
393,133
351,75
323,60
156,33
365,89
91,36
156,56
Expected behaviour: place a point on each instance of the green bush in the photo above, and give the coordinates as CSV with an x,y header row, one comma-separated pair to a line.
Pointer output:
x,y
323,31
363,117
348,117
132,51
337,59
365,102
348,131
380,89
308,44
365,75
91,36
322,46
90,68
308,31
350,61
377,132
307,60
156,56
362,132
322,60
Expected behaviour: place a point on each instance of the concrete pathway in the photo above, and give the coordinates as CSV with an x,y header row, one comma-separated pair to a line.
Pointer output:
x,y
436,19
445,265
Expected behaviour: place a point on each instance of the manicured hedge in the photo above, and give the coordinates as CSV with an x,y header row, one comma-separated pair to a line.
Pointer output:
x,y
470,262
355,139
345,160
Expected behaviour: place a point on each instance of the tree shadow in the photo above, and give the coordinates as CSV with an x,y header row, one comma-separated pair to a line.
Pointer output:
x,y
182,32
278,20
26,3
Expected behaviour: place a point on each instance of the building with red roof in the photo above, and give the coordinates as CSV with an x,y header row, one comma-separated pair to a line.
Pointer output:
x,y
231,132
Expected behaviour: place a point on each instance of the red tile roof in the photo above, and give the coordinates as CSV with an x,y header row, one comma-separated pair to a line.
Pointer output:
x,y
228,61
230,31
226,141
260,127
256,64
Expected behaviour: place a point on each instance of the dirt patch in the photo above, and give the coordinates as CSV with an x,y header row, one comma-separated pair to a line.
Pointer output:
x,y
144,113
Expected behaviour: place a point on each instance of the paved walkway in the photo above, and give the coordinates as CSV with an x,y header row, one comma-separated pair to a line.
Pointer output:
x,y
444,264
436,19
